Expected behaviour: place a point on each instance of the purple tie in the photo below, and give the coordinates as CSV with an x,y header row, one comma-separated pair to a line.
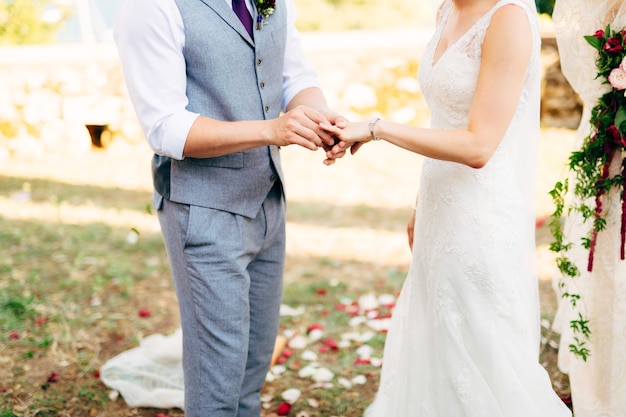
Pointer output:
x,y
240,9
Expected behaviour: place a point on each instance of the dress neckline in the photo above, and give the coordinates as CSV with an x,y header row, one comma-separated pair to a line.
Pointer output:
x,y
444,23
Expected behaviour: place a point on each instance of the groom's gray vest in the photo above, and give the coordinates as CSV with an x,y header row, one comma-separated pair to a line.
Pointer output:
x,y
229,77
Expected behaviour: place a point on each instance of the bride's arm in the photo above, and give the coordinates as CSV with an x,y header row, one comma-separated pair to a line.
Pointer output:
x,y
505,58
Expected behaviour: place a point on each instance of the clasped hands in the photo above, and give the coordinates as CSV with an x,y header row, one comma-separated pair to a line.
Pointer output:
x,y
328,130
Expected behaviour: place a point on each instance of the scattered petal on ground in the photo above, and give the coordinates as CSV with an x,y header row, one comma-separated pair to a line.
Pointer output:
x,y
286,311
387,300
313,403
359,380
298,342
357,321
144,313
316,334
291,395
368,302
54,377
307,371
283,409
314,326
323,375
365,351
380,325
278,369
345,383
362,361
309,356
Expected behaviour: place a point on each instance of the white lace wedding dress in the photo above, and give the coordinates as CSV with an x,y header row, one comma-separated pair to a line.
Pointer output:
x,y
464,339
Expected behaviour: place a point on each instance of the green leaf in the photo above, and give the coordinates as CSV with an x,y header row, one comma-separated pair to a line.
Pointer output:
x,y
595,42
620,118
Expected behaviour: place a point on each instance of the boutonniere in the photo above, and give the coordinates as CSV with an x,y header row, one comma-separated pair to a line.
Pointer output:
x,y
264,8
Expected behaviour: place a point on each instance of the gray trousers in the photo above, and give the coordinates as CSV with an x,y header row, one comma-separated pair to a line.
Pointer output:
x,y
228,272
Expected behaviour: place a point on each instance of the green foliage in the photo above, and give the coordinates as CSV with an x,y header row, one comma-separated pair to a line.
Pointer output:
x,y
545,6
21,22
590,166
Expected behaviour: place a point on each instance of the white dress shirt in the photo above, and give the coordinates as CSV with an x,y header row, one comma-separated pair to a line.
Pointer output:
x,y
156,79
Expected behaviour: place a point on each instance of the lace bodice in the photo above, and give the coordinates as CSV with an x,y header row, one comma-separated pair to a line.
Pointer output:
x,y
442,79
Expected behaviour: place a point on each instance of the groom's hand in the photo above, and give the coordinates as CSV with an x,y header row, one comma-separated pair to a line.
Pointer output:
x,y
301,126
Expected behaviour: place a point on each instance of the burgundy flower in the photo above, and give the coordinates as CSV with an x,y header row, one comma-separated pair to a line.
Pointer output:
x,y
613,45
616,137
599,34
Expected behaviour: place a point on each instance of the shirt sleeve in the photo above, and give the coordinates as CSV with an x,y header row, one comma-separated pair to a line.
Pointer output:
x,y
149,36
298,73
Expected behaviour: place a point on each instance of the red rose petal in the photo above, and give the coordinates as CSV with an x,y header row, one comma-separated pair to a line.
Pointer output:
x,y
362,361
323,349
40,320
96,374
54,377
283,409
144,313
14,335
331,344
322,291
161,415
315,326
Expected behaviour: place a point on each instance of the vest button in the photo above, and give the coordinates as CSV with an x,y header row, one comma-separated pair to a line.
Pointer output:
x,y
273,178
259,61
267,109
262,84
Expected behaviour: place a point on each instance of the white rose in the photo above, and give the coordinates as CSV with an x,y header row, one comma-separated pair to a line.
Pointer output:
x,y
617,78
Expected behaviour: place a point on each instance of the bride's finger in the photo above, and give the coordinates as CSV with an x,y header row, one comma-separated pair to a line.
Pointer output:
x,y
355,147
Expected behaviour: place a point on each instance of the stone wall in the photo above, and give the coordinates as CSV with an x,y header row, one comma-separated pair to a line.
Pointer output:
x,y
52,93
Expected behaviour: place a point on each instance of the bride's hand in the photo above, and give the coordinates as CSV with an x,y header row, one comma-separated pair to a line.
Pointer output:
x,y
352,136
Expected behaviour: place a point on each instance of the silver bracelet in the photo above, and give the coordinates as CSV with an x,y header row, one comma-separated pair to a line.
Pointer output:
x,y
372,125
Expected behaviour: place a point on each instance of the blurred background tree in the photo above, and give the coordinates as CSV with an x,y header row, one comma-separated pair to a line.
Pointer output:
x,y
27,22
